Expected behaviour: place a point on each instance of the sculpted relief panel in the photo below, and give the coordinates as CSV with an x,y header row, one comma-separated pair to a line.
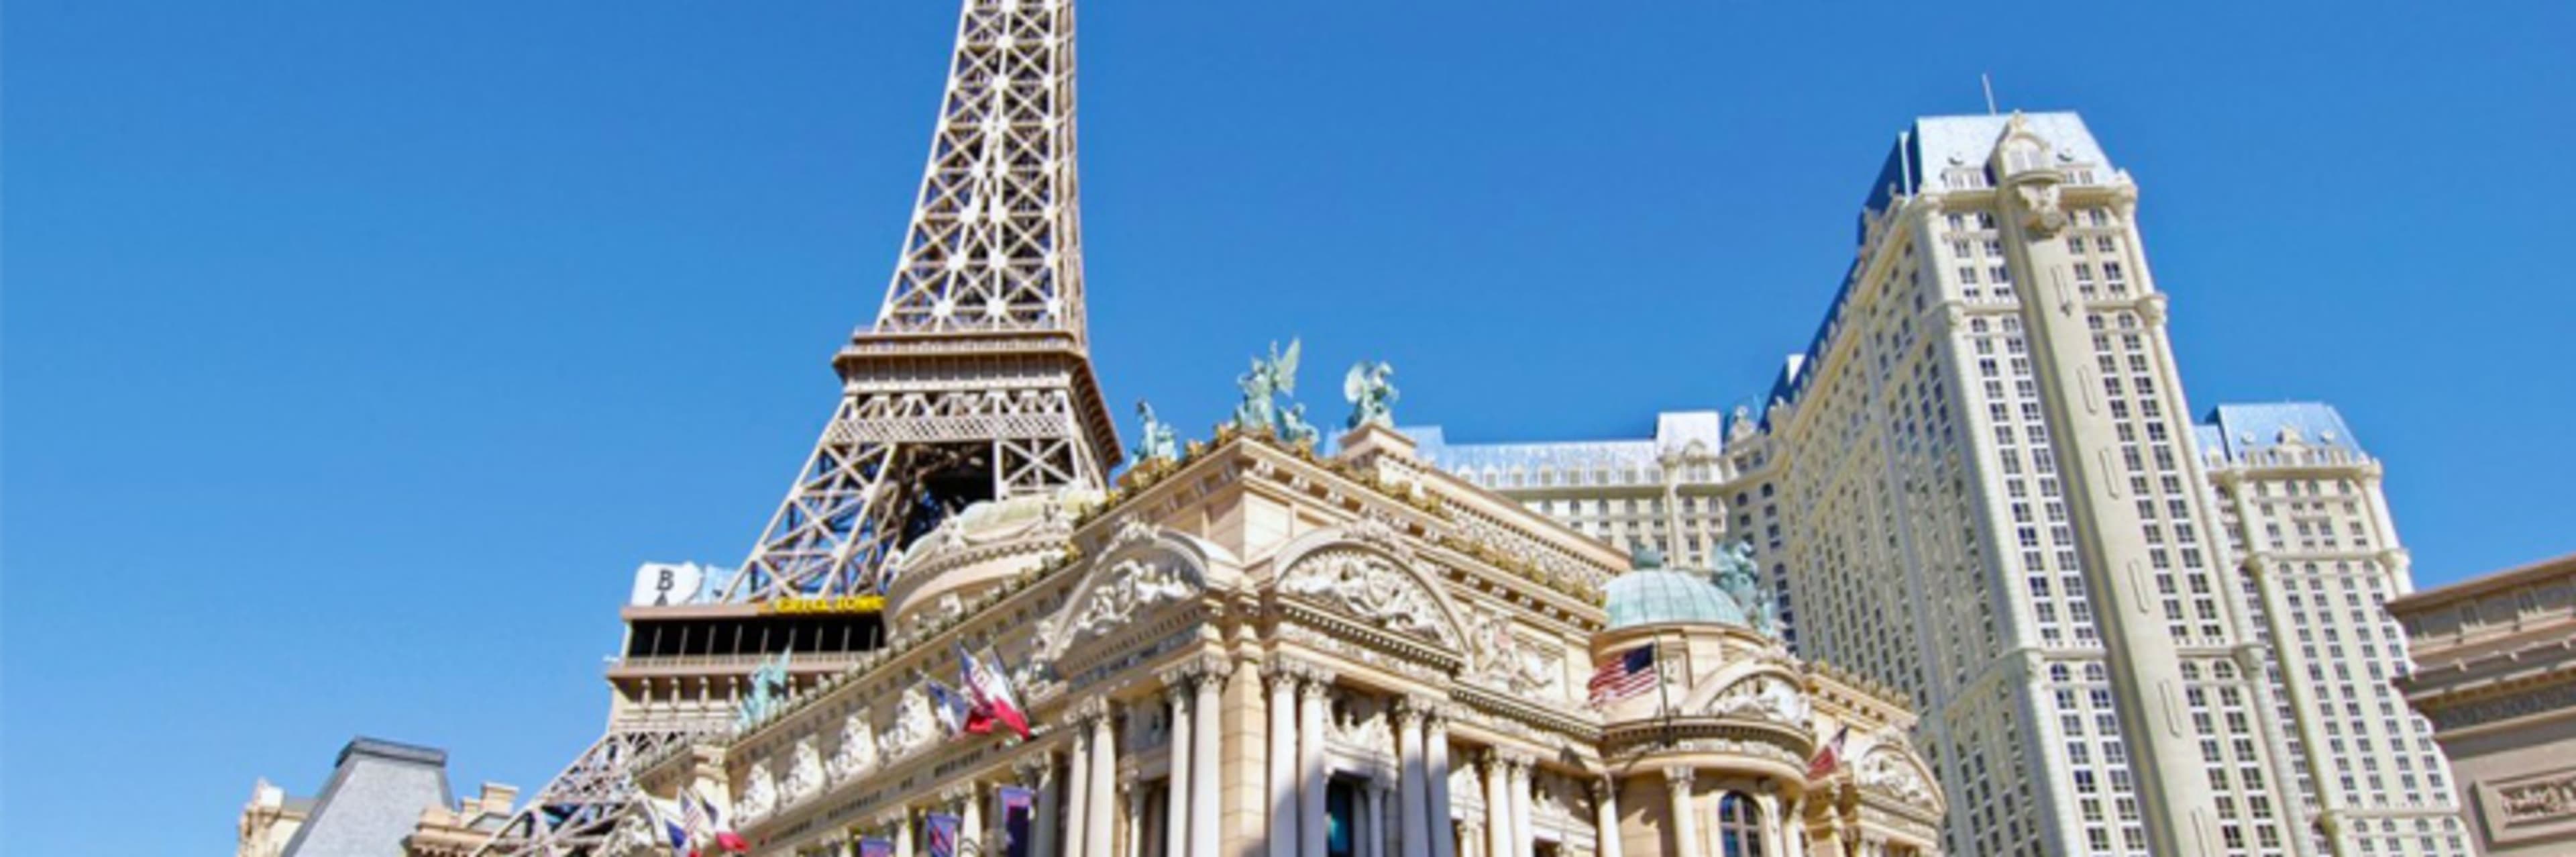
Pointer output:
x,y
1763,697
1887,772
1501,660
1127,590
858,752
1371,589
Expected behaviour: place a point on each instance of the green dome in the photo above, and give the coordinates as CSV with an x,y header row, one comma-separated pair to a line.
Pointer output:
x,y
1649,596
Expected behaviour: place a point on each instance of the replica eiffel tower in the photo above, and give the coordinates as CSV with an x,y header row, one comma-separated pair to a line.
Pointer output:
x,y
974,383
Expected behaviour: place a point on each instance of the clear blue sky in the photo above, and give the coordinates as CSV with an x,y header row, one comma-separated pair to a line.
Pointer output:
x,y
357,352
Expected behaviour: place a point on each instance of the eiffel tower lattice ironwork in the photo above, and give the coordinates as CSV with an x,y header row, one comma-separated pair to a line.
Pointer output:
x,y
974,382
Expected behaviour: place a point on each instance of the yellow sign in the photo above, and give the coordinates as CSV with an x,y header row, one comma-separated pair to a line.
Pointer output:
x,y
836,604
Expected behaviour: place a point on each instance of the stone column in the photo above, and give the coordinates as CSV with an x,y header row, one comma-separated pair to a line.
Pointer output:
x,y
1498,806
1176,801
1435,746
1104,769
1793,827
1283,760
1134,845
1077,817
1372,839
1524,817
1416,800
903,833
1769,803
1312,702
1684,826
1205,816
1605,823
1041,776
968,798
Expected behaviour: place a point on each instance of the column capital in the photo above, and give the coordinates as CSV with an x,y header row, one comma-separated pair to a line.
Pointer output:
x,y
1179,685
1315,684
959,793
1603,789
1086,710
1432,709
1039,768
1680,778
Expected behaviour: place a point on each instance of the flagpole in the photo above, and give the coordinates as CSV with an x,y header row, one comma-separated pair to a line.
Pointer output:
x,y
1663,689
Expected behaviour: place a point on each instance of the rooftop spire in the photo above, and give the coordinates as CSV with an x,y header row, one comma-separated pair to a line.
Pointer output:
x,y
995,240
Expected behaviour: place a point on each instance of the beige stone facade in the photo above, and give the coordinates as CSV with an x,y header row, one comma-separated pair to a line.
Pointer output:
x,y
1256,651
2496,674
2309,527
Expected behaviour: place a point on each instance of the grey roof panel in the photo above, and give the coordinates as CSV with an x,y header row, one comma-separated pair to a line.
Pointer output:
x,y
374,799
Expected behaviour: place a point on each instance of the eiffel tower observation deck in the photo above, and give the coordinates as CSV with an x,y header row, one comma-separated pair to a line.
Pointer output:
x,y
969,401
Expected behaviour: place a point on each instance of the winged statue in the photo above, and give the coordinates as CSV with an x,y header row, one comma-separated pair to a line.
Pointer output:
x,y
1370,388
1262,386
1159,442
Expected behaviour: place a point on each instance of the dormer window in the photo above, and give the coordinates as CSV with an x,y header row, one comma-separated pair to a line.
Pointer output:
x,y
2023,156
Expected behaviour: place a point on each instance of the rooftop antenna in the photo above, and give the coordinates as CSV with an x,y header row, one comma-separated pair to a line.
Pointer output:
x,y
1989,82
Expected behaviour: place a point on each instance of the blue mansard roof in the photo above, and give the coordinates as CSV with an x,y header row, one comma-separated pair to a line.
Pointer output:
x,y
1922,152
1674,430
2235,430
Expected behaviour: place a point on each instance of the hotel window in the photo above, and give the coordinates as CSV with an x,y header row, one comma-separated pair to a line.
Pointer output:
x,y
1739,826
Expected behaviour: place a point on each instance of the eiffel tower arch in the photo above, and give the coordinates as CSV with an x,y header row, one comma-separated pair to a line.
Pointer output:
x,y
973,383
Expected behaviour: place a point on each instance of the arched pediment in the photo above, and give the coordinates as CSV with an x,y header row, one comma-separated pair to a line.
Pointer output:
x,y
1142,569
1753,690
1365,572
1892,770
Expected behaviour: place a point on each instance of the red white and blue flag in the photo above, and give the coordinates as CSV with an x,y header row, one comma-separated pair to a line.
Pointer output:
x,y
990,690
706,825
1829,756
955,713
668,825
1629,674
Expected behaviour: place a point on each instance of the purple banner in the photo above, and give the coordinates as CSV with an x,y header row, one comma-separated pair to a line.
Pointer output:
x,y
943,834
1019,821
876,847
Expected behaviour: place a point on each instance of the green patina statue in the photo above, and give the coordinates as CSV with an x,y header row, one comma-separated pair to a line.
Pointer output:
x,y
1372,394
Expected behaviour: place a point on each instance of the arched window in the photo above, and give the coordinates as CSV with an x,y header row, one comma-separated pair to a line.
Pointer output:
x,y
1739,826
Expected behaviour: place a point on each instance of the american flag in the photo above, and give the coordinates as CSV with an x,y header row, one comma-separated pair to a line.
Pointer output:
x,y
1828,757
1629,674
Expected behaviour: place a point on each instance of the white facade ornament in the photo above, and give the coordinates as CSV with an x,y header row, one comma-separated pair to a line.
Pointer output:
x,y
759,795
1133,585
1371,589
914,726
1763,697
1372,530
858,751
1501,660
1361,724
1887,773
2043,215
804,772
1132,530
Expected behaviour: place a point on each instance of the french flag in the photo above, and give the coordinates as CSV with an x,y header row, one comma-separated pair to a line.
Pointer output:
x,y
991,690
706,824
